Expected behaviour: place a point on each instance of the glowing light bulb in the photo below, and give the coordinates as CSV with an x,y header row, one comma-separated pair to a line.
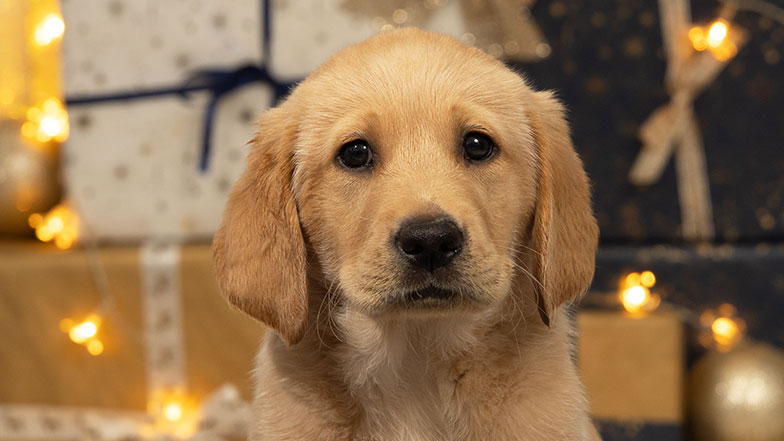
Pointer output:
x,y
51,28
717,32
698,38
47,122
647,279
83,332
633,279
55,224
35,220
716,38
635,298
726,332
725,51
172,411
44,234
50,126
95,347
64,241
59,224
722,328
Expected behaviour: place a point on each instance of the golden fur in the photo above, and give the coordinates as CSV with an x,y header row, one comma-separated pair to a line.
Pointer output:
x,y
305,248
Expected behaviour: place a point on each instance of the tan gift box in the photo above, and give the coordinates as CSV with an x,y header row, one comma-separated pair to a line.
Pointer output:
x,y
39,286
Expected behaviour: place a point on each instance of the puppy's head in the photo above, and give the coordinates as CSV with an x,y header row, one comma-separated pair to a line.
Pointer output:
x,y
424,175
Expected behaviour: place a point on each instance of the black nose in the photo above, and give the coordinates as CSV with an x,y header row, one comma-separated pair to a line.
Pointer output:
x,y
429,243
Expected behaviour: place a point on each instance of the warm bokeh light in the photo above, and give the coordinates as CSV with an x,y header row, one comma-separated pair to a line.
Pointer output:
x,y
716,38
633,279
725,51
635,295
35,220
60,224
85,330
174,413
717,32
51,28
722,328
647,279
95,347
726,332
47,122
634,298
699,40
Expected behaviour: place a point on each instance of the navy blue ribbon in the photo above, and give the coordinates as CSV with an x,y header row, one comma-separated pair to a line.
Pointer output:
x,y
215,81
221,82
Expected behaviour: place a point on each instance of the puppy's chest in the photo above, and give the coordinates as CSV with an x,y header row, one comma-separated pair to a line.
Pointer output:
x,y
410,405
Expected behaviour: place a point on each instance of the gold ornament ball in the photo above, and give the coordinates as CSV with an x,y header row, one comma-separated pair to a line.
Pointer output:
x,y
738,395
28,178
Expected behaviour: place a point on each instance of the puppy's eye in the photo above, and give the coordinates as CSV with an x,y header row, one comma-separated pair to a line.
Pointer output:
x,y
478,146
355,154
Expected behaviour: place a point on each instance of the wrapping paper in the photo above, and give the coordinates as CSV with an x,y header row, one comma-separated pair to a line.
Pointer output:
x,y
112,45
131,168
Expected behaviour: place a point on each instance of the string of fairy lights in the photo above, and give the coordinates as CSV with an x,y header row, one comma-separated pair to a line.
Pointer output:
x,y
720,328
31,92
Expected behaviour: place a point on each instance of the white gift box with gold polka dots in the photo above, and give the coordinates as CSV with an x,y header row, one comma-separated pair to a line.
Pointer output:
x,y
131,167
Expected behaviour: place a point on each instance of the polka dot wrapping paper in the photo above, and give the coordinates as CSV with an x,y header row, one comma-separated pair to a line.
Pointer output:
x,y
132,167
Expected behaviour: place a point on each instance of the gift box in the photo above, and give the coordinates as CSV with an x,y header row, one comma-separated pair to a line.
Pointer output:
x,y
148,86
40,286
632,367
132,168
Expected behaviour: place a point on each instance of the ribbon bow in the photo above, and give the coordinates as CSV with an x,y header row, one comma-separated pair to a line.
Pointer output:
x,y
672,128
222,82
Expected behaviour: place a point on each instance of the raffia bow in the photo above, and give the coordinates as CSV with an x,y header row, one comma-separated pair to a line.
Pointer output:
x,y
673,128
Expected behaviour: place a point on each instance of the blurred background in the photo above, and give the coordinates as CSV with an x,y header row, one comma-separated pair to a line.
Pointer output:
x,y
123,125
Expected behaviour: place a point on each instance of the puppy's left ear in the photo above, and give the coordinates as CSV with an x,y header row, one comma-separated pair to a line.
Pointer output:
x,y
259,252
564,234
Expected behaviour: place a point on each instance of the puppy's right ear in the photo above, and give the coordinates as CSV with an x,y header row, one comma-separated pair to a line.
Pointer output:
x,y
565,234
259,252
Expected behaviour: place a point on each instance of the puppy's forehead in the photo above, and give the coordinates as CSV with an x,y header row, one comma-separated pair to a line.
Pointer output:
x,y
413,71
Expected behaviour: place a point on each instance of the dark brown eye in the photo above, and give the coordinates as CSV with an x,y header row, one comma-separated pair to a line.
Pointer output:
x,y
356,154
478,146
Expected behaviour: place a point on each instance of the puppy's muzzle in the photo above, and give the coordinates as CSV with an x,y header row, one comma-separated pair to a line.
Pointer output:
x,y
429,244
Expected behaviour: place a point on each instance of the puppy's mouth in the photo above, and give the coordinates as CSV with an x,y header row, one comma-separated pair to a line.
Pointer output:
x,y
433,297
429,294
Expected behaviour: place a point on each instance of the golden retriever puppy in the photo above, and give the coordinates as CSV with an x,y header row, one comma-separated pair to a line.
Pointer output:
x,y
410,223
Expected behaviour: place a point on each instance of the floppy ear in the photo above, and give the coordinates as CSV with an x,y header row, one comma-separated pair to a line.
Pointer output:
x,y
259,252
564,234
